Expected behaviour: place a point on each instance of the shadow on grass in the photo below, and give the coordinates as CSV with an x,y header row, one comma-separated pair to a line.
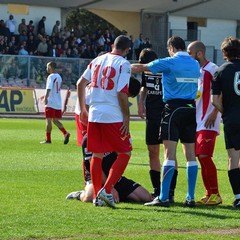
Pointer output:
x,y
197,211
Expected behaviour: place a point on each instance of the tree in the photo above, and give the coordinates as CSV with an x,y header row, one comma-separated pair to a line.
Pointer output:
x,y
89,21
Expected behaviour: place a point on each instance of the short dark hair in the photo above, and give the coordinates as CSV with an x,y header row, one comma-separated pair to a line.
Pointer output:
x,y
134,87
147,55
122,42
176,42
231,47
53,65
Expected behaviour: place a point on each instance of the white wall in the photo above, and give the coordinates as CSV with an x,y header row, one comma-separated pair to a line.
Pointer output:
x,y
35,14
216,31
211,35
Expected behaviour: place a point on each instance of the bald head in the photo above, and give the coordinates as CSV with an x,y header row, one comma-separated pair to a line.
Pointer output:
x,y
197,50
197,46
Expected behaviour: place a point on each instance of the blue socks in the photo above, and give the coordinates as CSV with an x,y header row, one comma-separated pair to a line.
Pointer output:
x,y
168,171
192,170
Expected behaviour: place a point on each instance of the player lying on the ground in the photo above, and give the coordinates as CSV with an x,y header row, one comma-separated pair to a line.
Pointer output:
x,y
124,190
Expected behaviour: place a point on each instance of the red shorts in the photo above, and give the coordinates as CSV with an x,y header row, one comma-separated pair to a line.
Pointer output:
x,y
205,142
81,130
107,137
53,113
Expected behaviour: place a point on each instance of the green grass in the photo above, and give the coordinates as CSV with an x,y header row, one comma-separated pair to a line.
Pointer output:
x,y
35,178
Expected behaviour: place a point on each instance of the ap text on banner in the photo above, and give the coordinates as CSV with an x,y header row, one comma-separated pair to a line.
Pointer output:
x,y
16,100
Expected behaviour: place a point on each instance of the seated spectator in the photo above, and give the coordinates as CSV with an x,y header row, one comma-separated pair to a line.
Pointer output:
x,y
31,43
59,50
23,36
42,48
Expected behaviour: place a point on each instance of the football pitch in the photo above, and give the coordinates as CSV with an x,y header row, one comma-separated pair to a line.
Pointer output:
x,y
35,179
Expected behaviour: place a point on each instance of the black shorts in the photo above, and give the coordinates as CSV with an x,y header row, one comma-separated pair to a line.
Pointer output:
x,y
124,187
152,132
232,136
179,121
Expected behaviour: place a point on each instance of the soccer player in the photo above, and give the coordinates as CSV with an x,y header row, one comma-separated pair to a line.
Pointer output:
x,y
180,74
151,105
226,98
53,104
208,124
108,114
124,190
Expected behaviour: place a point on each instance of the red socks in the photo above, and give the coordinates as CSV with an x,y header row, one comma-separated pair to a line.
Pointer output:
x,y
116,171
63,130
48,136
96,174
209,175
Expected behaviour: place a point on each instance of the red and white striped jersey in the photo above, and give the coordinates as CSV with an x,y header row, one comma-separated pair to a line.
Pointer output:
x,y
203,102
109,74
54,82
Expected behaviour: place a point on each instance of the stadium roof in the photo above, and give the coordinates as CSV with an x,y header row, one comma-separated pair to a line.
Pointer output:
x,y
220,9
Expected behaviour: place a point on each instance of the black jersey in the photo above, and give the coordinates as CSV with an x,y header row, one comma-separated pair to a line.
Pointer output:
x,y
227,81
154,102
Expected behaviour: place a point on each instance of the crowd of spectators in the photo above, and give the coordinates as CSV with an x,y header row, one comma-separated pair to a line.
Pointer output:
x,y
32,39
24,39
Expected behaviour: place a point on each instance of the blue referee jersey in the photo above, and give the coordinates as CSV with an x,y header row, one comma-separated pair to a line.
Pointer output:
x,y
180,75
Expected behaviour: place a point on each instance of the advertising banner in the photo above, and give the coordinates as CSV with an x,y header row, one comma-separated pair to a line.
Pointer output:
x,y
16,100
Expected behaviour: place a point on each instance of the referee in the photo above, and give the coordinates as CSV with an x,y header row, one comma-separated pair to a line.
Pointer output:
x,y
180,74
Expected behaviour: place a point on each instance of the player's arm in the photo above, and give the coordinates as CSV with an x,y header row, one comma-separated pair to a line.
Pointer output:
x,y
46,96
141,106
81,85
123,102
217,102
138,68
66,100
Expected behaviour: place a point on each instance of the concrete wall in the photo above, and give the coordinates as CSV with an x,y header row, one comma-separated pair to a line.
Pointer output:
x,y
35,14
213,34
129,21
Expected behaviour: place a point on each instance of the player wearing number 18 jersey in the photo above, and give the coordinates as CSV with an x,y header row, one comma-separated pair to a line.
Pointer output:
x,y
109,75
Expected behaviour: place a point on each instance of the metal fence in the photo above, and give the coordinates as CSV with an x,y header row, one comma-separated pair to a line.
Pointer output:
x,y
30,71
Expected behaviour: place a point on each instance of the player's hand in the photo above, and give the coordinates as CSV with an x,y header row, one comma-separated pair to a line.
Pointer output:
x,y
125,127
211,119
83,117
141,110
115,195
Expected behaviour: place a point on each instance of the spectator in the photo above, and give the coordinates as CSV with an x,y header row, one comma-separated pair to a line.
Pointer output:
x,y
53,51
31,43
11,24
130,53
4,31
56,28
78,31
146,43
108,41
23,36
22,26
42,48
138,46
41,26
30,28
